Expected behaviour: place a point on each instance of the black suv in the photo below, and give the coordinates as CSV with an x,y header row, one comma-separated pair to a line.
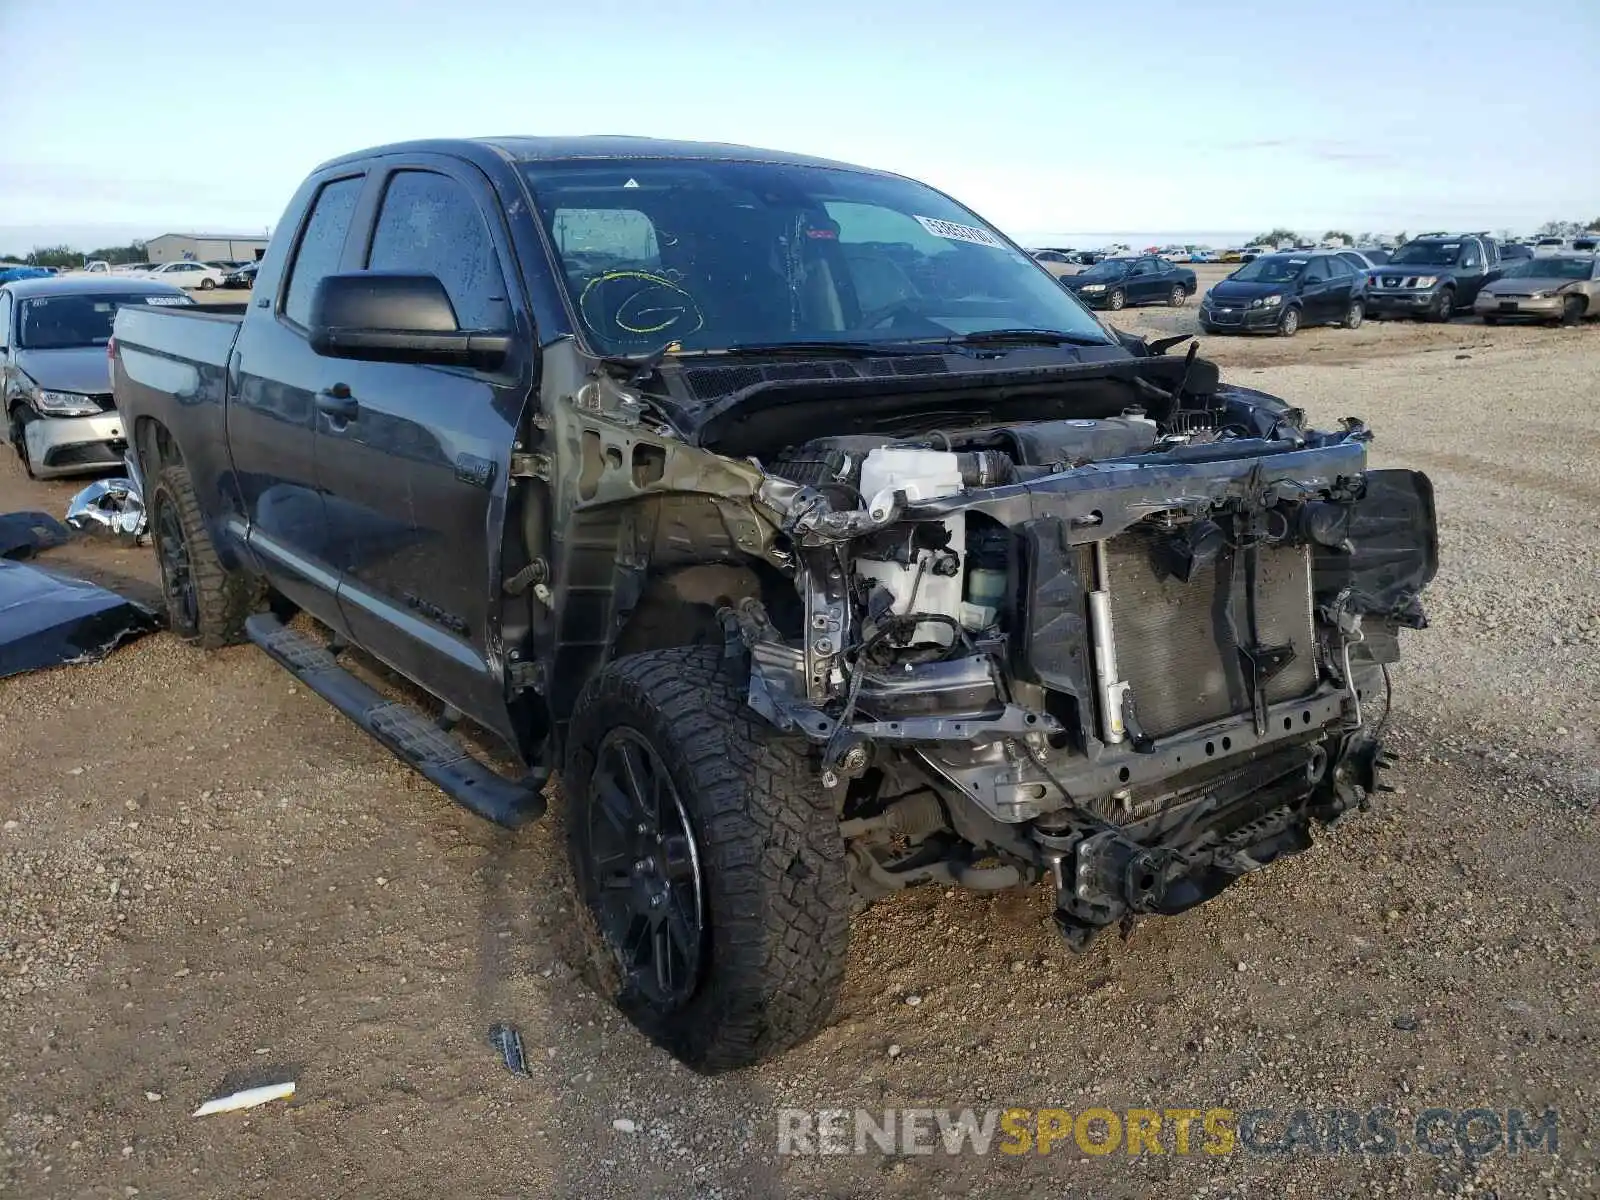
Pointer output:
x,y
1278,293
1433,276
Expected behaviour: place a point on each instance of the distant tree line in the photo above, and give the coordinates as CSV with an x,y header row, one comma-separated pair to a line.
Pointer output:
x,y
66,256
1568,228
1548,229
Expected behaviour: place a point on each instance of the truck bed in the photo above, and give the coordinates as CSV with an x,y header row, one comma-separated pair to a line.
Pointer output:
x,y
188,332
169,367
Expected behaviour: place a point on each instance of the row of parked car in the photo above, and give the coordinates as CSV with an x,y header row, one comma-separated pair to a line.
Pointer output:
x,y
1063,261
1433,277
189,274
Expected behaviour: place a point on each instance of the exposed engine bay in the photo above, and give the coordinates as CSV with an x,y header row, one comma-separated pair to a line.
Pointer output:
x,y
1136,650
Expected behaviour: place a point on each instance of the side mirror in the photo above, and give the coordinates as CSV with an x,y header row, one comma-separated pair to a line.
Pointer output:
x,y
394,316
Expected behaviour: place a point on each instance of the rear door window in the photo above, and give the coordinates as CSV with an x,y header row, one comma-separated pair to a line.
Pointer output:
x,y
321,245
430,224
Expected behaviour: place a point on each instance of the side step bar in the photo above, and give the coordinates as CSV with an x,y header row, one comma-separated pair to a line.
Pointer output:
x,y
406,732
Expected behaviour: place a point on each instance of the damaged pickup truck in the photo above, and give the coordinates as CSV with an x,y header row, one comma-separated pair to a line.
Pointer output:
x,y
820,540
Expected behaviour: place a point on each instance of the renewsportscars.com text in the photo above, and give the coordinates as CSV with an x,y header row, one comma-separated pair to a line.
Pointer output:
x,y
1473,1132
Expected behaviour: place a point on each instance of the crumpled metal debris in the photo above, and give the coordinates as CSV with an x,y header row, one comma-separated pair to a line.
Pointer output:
x,y
113,507
51,620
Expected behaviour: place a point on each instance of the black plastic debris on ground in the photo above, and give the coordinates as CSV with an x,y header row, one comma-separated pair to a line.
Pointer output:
x,y
24,534
508,1042
51,620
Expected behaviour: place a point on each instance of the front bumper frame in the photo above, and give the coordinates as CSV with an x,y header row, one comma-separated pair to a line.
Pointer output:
x,y
1407,301
791,685
91,443
1546,308
1250,320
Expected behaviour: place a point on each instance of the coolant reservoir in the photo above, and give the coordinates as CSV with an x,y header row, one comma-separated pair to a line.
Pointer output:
x,y
918,587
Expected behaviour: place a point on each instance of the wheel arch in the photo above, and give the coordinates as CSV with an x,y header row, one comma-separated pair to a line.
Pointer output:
x,y
678,606
153,442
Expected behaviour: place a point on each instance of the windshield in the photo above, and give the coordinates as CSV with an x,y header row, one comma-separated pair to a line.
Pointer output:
x,y
1552,268
1426,254
1106,268
64,322
705,255
1270,268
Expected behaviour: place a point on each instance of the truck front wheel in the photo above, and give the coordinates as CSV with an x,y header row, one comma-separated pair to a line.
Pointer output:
x,y
206,603
708,859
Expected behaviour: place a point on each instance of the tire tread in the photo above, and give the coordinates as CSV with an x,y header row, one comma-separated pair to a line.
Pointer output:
x,y
777,890
223,598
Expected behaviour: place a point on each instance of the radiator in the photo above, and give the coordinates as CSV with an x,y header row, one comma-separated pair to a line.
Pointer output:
x,y
1176,652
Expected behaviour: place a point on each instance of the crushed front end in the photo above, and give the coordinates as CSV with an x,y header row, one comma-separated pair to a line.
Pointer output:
x,y
1136,654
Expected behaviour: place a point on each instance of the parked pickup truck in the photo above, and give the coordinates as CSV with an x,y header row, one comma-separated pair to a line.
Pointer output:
x,y
1433,276
819,538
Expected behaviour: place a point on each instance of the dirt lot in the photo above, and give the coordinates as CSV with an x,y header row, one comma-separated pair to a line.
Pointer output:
x,y
206,877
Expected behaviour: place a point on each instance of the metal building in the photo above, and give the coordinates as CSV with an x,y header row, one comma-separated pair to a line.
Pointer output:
x,y
174,247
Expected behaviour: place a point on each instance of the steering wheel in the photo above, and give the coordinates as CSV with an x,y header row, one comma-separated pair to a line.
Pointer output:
x,y
890,315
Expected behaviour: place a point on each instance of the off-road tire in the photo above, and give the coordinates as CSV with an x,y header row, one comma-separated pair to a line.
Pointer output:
x,y
774,878
222,598
1444,308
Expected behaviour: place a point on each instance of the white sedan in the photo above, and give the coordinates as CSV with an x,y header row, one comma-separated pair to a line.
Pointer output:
x,y
188,275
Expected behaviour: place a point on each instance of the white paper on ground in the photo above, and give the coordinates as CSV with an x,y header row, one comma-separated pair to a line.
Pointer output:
x,y
248,1098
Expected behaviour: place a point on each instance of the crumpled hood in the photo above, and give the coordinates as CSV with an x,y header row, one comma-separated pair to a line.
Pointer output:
x,y
80,369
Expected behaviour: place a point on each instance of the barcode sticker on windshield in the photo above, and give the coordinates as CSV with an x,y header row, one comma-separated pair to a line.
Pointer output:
x,y
167,300
960,233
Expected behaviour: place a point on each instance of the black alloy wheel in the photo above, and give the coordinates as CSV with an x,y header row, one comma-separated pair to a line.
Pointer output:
x,y
645,866
177,568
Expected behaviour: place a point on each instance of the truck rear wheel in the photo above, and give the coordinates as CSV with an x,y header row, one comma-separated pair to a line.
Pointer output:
x,y
206,603
708,858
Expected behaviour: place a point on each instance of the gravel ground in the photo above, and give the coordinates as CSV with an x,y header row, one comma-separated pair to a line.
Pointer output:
x,y
207,878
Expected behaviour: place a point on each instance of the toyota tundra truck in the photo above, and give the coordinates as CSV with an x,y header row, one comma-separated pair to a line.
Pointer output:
x,y
817,539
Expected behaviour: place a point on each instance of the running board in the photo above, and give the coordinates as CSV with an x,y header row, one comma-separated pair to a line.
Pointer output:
x,y
402,729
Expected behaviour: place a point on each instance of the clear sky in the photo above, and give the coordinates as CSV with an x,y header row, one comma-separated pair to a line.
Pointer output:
x,y
127,118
